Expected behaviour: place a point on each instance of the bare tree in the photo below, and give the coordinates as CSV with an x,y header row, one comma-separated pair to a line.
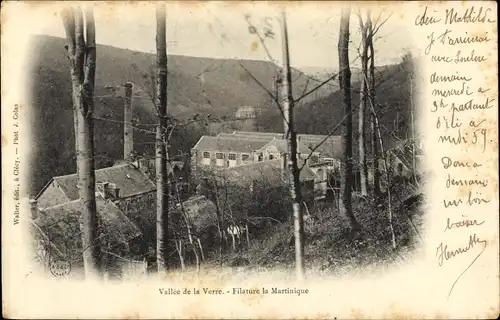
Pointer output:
x,y
373,28
407,61
387,179
371,97
82,55
362,106
161,148
291,135
345,88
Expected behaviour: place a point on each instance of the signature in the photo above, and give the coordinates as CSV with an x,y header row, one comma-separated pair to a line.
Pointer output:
x,y
443,254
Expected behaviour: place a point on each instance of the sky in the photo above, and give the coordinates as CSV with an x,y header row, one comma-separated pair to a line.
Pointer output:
x,y
220,30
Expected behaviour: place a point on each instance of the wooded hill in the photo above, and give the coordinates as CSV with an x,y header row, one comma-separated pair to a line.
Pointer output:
x,y
223,87
392,106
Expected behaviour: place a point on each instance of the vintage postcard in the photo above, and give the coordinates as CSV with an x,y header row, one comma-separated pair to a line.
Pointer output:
x,y
249,160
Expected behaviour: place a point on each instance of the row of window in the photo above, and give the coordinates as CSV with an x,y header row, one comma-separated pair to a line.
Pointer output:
x,y
246,156
231,156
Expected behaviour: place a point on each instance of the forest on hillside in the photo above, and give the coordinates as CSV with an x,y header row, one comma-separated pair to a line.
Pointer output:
x,y
393,106
282,200
52,114
196,86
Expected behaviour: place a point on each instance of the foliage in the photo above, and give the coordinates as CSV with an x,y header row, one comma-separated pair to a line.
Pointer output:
x,y
331,249
59,237
196,85
318,117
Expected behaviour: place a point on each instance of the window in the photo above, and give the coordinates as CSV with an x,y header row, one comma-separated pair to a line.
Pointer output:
x,y
245,157
330,161
206,158
219,159
232,160
271,157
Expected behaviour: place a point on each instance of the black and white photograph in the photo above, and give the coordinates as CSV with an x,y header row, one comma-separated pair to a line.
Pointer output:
x,y
212,153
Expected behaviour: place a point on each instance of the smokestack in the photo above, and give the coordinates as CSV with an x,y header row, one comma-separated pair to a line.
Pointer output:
x,y
128,130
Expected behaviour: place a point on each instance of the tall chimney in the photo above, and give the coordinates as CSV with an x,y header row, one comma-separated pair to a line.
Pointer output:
x,y
128,130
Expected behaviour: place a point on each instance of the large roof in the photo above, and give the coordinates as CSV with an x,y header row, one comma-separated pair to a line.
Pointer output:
x,y
128,178
200,211
266,171
282,146
63,224
252,134
247,141
148,166
331,146
229,144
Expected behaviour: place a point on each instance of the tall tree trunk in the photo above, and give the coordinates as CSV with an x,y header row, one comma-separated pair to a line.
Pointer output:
x,y
387,180
189,226
375,151
362,108
413,158
294,173
220,218
345,87
161,148
69,27
83,63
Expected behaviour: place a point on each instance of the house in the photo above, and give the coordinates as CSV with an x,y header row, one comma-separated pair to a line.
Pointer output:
x,y
201,213
58,234
243,147
125,185
202,216
119,183
328,147
275,148
239,148
246,118
176,169
123,190
327,184
224,152
247,112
